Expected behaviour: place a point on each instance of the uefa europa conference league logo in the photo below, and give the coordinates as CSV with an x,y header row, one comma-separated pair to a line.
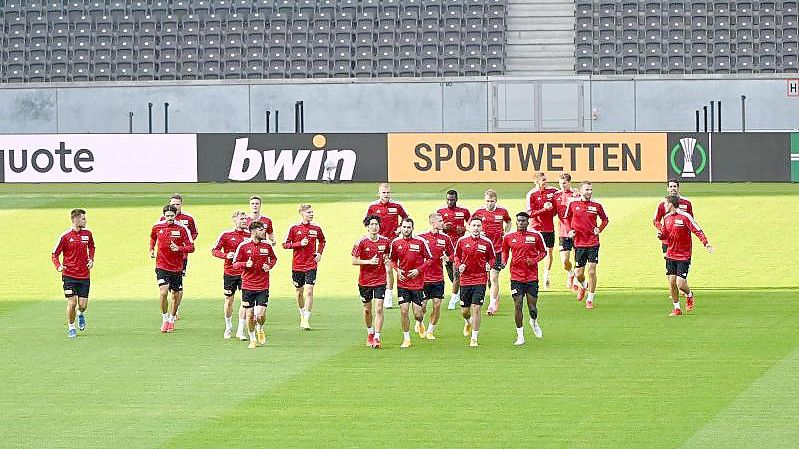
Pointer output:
x,y
689,146
319,163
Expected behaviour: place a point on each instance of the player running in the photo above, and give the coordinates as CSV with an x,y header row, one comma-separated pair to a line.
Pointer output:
x,y
173,241
528,249
370,253
77,246
677,227
390,213
542,208
455,219
562,199
672,188
225,248
441,250
474,257
186,220
307,241
495,223
255,215
410,256
582,215
255,258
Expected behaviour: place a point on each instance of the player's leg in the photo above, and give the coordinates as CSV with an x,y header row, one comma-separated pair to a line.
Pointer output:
x,y
228,311
261,301
163,296
466,310
475,323
418,314
308,293
298,278
405,321
548,266
493,275
682,285
591,285
435,314
389,299
182,275
423,305
580,262
367,295
674,292
248,302
83,304
72,305
174,309
380,294
532,307
518,314
242,324
455,278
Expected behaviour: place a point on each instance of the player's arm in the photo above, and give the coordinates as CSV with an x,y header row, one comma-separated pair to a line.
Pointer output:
x,y
604,217
541,248
56,255
401,211
239,262
188,246
92,250
506,222
153,240
657,220
505,251
694,227
218,250
288,243
320,242
272,260
428,258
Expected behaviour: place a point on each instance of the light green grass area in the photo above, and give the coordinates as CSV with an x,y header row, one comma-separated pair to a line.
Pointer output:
x,y
622,375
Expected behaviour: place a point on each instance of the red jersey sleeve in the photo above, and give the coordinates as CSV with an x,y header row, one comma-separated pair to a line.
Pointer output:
x,y
603,216
188,247
239,262
288,243
272,261
449,249
153,237
542,249
658,219
59,248
506,217
91,246
505,250
690,209
320,239
694,227
356,249
428,257
192,228
217,250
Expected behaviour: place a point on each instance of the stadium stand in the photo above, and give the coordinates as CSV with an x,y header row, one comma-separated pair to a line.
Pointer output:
x,y
102,40
679,37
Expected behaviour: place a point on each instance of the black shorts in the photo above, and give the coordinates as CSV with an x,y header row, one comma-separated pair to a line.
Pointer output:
x,y
172,278
414,296
301,278
549,239
454,275
586,255
252,298
230,284
473,295
497,262
370,293
677,267
521,288
664,248
75,287
434,290
566,243
185,265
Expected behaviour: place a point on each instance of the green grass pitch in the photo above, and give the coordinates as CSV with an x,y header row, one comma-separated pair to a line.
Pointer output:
x,y
622,375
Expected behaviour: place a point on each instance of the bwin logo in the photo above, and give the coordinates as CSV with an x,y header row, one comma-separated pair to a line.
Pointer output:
x,y
286,164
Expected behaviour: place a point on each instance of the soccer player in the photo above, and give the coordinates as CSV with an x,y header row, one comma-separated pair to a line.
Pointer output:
x,y
566,244
77,246
528,248
225,248
441,250
390,213
542,208
255,215
255,258
455,219
582,215
370,253
672,188
410,256
307,241
677,227
495,223
173,241
474,257
188,221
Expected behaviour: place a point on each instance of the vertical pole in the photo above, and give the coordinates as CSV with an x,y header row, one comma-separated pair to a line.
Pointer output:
x,y
130,122
704,108
743,113
712,117
302,116
150,118
267,121
277,121
166,118
697,120
296,116
718,106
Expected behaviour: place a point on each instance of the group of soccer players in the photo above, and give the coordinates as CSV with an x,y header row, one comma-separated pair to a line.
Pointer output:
x,y
473,247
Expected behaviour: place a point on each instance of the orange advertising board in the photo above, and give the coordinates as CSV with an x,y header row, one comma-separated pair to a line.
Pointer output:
x,y
514,157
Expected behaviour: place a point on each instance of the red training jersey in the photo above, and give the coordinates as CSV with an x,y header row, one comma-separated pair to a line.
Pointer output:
x,y
677,228
365,248
542,219
304,256
261,253
187,221
408,254
455,219
660,212
582,216
562,200
439,244
475,253
528,249
390,214
162,235
265,220
493,224
227,242
78,249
